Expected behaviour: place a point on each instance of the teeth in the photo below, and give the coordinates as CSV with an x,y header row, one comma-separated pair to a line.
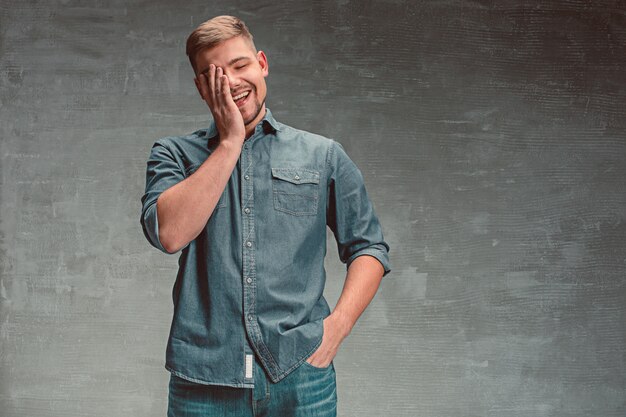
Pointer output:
x,y
241,95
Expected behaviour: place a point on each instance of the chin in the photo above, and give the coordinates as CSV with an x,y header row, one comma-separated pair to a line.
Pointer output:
x,y
254,114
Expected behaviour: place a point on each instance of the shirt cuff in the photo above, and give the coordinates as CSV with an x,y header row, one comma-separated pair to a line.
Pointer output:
x,y
150,225
378,252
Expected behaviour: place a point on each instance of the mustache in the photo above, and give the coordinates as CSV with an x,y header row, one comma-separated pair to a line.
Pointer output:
x,y
241,90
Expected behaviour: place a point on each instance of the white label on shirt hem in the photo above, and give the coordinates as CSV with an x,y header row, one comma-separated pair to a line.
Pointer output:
x,y
248,366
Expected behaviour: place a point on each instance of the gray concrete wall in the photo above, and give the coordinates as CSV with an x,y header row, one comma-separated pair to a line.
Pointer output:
x,y
491,135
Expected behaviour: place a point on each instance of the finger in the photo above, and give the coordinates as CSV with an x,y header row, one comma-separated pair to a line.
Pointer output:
x,y
204,88
218,81
211,82
226,88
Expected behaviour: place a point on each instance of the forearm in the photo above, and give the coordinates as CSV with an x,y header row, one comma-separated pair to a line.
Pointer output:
x,y
184,209
362,281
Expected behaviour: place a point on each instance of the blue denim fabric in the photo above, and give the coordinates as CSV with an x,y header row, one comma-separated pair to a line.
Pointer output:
x,y
252,281
306,392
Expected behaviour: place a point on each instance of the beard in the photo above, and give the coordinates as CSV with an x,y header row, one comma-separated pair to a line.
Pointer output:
x,y
259,107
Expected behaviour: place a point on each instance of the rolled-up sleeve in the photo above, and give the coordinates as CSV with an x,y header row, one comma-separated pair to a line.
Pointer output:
x,y
350,214
162,172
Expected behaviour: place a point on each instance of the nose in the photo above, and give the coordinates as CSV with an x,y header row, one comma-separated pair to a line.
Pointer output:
x,y
232,77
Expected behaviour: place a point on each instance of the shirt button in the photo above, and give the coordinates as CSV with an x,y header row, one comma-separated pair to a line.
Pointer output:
x,y
248,243
247,210
250,317
249,280
297,177
247,176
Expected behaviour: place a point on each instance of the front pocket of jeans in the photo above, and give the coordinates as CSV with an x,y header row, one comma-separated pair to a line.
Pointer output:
x,y
317,368
223,201
295,190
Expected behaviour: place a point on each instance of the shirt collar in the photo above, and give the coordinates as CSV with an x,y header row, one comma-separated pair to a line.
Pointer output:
x,y
268,122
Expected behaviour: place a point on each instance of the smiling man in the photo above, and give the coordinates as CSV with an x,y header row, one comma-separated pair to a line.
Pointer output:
x,y
247,202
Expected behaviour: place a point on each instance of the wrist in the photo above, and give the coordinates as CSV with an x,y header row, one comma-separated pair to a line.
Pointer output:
x,y
232,144
342,321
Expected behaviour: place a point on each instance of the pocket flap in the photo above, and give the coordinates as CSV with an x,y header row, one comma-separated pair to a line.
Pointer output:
x,y
297,175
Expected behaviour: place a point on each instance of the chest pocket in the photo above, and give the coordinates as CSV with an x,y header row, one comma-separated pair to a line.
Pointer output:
x,y
223,201
296,190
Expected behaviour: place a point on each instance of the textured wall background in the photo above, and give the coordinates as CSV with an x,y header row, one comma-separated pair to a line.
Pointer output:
x,y
491,135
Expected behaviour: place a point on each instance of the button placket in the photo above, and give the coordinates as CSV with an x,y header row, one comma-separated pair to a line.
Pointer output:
x,y
248,230
249,261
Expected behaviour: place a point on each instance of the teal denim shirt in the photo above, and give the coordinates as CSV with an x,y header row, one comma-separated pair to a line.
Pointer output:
x,y
252,281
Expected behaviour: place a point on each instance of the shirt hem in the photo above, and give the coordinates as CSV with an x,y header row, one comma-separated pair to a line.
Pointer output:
x,y
199,381
306,356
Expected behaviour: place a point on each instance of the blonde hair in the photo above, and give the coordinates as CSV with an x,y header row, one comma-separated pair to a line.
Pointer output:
x,y
213,32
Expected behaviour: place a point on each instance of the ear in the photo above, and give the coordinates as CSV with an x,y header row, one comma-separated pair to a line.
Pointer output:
x,y
263,63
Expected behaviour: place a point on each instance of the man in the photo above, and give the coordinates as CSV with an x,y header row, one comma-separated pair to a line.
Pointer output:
x,y
248,201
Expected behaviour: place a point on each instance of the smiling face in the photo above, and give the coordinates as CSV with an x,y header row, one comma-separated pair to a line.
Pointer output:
x,y
246,73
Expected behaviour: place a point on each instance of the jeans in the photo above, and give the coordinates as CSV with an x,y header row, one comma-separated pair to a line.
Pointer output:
x,y
308,391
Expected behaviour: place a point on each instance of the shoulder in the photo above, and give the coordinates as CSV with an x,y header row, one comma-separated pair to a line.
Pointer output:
x,y
180,143
185,150
305,140
335,154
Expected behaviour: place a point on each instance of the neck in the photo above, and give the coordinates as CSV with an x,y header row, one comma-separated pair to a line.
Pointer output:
x,y
252,125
